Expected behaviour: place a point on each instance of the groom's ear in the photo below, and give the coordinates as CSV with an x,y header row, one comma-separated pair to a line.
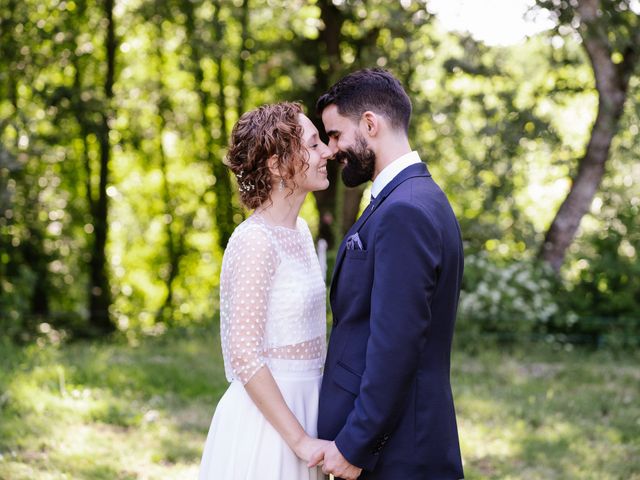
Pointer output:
x,y
371,123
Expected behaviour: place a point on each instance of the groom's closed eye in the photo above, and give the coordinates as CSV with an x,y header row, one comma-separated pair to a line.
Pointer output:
x,y
334,134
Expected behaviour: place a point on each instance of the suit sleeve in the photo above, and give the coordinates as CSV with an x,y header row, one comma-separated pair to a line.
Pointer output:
x,y
407,249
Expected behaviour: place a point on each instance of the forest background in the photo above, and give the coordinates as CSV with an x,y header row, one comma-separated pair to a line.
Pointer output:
x,y
115,204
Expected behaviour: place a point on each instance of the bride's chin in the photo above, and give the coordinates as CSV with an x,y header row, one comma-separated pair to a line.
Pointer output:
x,y
324,186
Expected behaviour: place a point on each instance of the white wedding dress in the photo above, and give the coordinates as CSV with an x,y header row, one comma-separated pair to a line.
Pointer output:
x,y
272,313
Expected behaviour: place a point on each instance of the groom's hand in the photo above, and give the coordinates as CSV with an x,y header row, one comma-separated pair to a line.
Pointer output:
x,y
317,457
335,463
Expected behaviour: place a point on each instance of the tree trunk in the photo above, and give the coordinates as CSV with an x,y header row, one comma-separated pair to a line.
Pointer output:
x,y
337,206
164,312
36,258
244,55
100,294
175,250
329,45
611,83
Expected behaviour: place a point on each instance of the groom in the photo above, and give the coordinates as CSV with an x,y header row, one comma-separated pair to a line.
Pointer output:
x,y
386,399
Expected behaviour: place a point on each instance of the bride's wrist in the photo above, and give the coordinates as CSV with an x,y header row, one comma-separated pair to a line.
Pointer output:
x,y
299,442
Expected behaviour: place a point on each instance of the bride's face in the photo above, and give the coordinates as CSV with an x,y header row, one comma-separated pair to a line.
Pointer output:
x,y
314,177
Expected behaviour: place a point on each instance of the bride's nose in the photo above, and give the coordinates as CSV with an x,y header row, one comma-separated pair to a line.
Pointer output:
x,y
325,151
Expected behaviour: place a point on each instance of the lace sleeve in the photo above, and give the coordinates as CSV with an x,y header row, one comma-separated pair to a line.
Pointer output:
x,y
249,265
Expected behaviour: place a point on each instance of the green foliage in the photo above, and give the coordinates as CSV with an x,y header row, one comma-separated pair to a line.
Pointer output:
x,y
619,21
489,124
606,274
603,274
500,127
15,302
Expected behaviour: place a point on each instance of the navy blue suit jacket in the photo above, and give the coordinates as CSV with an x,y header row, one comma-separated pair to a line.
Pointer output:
x,y
386,396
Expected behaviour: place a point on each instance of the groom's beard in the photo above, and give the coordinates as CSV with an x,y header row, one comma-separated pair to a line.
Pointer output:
x,y
360,163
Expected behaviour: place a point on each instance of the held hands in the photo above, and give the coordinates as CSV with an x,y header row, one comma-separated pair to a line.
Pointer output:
x,y
334,462
307,446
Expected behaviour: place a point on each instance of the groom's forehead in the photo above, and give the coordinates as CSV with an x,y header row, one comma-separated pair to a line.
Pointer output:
x,y
331,114
333,121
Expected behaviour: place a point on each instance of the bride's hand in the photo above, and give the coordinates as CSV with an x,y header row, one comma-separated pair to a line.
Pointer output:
x,y
307,446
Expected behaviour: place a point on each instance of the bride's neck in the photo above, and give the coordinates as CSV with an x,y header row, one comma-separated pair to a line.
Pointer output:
x,y
282,208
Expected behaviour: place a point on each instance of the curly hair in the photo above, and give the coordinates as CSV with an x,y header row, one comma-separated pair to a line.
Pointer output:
x,y
272,129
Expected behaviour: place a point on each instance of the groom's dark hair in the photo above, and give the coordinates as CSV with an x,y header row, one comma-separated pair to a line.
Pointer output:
x,y
373,89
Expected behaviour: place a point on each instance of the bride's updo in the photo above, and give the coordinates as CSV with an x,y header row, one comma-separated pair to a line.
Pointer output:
x,y
259,134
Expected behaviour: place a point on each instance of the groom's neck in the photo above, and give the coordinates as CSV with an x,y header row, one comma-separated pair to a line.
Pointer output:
x,y
389,151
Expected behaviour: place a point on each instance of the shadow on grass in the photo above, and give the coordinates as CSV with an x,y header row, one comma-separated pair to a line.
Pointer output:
x,y
175,450
103,472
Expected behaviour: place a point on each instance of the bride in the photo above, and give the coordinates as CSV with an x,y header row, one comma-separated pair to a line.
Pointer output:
x,y
272,305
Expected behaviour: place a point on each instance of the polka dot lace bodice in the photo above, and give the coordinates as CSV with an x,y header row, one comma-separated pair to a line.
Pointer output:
x,y
272,300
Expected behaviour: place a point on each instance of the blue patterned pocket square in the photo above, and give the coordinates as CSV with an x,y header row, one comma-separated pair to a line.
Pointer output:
x,y
354,243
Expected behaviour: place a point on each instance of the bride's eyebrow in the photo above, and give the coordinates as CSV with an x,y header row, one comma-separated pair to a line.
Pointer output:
x,y
311,137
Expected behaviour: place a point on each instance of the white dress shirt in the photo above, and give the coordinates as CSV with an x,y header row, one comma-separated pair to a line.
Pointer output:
x,y
390,172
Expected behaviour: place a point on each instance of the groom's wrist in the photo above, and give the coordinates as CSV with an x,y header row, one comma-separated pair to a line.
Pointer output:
x,y
356,455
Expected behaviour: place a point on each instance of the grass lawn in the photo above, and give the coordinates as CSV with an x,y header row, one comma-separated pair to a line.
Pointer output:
x,y
113,411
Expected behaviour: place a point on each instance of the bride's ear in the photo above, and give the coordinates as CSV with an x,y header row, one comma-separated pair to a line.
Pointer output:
x,y
274,167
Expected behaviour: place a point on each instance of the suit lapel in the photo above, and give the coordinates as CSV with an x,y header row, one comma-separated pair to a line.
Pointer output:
x,y
416,170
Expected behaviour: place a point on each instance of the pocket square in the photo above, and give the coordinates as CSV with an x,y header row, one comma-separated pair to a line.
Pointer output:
x,y
354,243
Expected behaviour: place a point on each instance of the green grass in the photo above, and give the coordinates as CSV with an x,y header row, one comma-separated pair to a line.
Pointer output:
x,y
108,411
115,411
549,414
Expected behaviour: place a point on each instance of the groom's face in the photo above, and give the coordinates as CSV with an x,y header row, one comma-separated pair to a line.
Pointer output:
x,y
349,147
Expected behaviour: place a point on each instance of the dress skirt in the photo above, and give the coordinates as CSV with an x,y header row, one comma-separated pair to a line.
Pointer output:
x,y
242,444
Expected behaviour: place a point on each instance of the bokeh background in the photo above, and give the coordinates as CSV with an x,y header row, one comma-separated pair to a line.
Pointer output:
x,y
115,208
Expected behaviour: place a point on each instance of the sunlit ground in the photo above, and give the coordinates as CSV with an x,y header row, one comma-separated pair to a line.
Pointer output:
x,y
549,415
108,411
116,412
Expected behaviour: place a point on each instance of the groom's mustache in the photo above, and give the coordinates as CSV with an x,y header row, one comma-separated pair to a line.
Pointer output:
x,y
348,156
342,157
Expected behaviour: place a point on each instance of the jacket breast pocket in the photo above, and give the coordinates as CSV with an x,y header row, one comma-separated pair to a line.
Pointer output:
x,y
353,286
345,378
356,254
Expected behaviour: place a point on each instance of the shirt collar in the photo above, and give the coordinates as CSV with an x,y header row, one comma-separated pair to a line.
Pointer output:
x,y
389,172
